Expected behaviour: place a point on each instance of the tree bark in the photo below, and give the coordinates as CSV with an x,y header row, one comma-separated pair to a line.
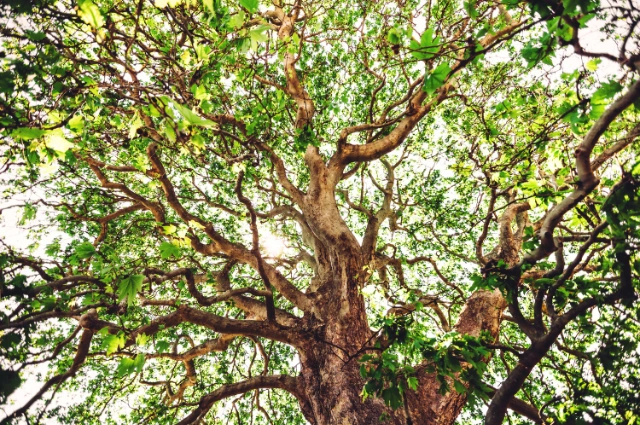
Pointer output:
x,y
330,378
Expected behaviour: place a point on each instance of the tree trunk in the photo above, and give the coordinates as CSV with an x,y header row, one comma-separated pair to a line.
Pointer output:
x,y
330,378
337,330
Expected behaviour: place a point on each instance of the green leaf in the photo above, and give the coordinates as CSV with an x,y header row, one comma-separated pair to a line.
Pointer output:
x,y
164,3
10,340
27,133
134,125
56,141
597,110
142,339
470,8
76,124
544,282
199,142
192,118
258,35
392,397
85,250
90,13
570,6
113,343
9,382
125,367
167,249
250,5
209,5
428,46
138,362
427,39
237,20
170,229
437,78
412,382
162,346
35,35
28,214
129,287
606,91
586,18
460,388
393,36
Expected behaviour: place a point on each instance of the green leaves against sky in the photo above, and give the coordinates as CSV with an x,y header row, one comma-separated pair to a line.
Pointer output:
x,y
124,126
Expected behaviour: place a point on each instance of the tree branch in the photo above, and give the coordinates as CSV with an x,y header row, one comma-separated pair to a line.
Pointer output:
x,y
283,382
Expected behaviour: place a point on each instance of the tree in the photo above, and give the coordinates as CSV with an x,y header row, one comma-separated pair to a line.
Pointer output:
x,y
382,212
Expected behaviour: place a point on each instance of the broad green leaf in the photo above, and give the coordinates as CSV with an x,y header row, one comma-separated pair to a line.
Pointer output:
x,y
412,383
470,8
258,35
27,133
597,110
392,397
437,78
209,5
129,287
202,52
128,365
164,3
125,367
460,388
394,36
192,118
428,46
198,141
35,35
28,214
134,125
138,362
170,229
142,339
113,343
570,6
162,346
592,65
201,93
90,13
76,124
167,250
250,5
196,225
606,91
57,142
85,250
237,20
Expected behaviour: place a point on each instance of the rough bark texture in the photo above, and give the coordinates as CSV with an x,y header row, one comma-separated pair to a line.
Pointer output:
x,y
330,377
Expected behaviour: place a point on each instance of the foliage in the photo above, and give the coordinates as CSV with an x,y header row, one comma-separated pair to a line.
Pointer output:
x,y
239,211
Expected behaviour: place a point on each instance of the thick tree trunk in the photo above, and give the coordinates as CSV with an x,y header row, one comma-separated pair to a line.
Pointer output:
x,y
337,330
330,377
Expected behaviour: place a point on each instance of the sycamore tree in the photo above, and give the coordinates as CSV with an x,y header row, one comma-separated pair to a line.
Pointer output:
x,y
325,212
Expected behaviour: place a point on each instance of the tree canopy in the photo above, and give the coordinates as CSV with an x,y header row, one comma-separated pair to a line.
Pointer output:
x,y
326,212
